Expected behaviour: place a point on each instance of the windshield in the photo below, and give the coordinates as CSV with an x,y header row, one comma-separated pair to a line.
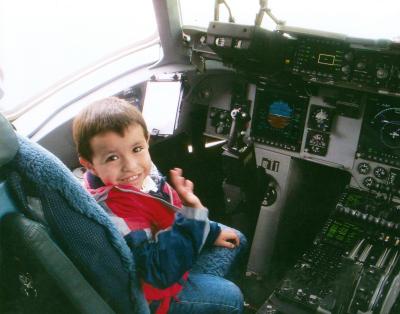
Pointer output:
x,y
44,41
354,18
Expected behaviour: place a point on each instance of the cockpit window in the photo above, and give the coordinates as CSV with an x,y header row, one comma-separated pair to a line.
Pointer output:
x,y
44,41
355,18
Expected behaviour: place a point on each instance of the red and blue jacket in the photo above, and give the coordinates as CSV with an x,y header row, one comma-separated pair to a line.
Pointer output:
x,y
164,236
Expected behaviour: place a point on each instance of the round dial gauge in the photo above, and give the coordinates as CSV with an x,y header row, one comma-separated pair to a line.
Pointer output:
x,y
363,168
320,118
317,143
369,182
317,140
380,172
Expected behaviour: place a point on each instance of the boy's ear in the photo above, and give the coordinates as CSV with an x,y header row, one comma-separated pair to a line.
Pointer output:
x,y
87,164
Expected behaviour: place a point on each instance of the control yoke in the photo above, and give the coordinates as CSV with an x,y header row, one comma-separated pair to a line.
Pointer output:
x,y
236,133
239,166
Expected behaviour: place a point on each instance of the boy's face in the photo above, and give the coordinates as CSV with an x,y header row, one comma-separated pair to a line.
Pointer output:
x,y
120,160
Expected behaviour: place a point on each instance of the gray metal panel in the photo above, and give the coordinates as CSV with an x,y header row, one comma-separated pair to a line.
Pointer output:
x,y
268,220
342,143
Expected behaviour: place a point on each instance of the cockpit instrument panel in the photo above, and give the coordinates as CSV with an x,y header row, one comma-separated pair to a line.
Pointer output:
x,y
316,57
278,118
320,58
351,63
380,135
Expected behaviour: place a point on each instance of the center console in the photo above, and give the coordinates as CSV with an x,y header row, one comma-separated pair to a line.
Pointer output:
x,y
351,267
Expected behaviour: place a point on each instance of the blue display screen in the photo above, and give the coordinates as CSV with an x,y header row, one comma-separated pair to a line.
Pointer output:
x,y
280,108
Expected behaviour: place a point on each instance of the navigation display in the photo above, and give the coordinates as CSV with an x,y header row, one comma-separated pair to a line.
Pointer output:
x,y
380,134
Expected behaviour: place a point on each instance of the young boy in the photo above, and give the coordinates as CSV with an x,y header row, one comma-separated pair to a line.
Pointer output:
x,y
168,230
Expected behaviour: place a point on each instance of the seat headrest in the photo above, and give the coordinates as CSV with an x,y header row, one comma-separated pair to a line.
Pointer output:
x,y
8,141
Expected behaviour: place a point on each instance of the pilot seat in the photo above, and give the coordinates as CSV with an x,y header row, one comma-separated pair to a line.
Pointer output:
x,y
59,252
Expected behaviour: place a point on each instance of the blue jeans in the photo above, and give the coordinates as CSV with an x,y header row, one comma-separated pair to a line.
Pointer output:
x,y
207,291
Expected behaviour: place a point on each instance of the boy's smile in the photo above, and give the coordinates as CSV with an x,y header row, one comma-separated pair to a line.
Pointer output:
x,y
120,160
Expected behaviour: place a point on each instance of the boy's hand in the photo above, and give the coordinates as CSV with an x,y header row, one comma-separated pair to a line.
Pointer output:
x,y
227,238
184,188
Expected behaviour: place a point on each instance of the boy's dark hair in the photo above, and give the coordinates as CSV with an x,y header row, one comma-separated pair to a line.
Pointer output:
x,y
108,114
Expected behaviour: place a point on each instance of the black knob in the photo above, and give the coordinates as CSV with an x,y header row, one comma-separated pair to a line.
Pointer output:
x,y
348,57
346,69
361,66
382,73
270,195
213,113
223,115
221,128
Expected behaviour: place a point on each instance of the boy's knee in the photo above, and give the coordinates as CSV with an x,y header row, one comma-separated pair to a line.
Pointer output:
x,y
209,294
235,297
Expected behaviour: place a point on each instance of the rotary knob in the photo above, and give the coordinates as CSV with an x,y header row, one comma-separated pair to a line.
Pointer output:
x,y
382,73
203,39
346,69
223,115
349,56
213,117
221,128
213,113
361,66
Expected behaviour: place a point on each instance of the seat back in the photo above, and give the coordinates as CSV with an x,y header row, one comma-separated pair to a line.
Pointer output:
x,y
37,277
58,229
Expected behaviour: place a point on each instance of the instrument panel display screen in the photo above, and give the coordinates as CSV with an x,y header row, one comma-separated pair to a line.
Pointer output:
x,y
326,59
280,114
380,134
278,118
321,58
